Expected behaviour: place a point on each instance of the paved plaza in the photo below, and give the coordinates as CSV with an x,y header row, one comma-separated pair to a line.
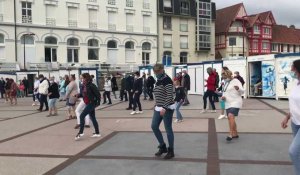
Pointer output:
x,y
32,144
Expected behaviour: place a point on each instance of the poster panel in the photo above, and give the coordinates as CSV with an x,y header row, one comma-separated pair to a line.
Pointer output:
x,y
268,78
192,73
200,80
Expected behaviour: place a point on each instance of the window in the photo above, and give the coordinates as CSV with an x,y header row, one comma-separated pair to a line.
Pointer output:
x,y
204,8
50,15
255,45
256,29
204,24
112,44
93,49
29,40
167,41
265,45
146,4
93,18
274,47
112,2
232,41
129,51
72,50
26,12
183,42
129,3
50,49
72,17
184,25
146,23
1,39
267,31
146,51
167,58
2,47
112,21
167,20
129,22
204,41
183,57
168,6
1,11
184,8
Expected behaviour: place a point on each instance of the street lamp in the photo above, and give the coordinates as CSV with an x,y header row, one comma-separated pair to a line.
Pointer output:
x,y
24,38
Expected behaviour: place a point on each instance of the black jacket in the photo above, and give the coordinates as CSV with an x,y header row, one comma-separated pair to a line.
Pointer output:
x,y
180,95
150,82
53,89
129,83
123,84
93,94
187,81
114,85
138,85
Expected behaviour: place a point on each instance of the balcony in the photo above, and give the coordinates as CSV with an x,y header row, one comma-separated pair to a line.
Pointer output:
x,y
26,19
112,2
146,29
183,45
1,17
50,22
168,9
112,27
129,3
146,5
129,28
93,1
93,25
184,11
167,44
237,29
72,23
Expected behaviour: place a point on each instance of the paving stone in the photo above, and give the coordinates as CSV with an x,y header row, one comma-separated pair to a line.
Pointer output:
x,y
244,169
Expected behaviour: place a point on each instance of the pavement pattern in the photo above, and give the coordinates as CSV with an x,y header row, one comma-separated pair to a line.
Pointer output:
x,y
33,144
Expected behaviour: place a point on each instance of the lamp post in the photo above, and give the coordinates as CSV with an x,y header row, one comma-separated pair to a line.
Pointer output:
x,y
24,40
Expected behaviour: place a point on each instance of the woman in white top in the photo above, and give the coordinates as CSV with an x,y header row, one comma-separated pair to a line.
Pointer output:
x,y
232,95
294,114
71,97
107,90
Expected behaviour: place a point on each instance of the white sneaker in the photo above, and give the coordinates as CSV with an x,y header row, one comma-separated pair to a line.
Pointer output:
x,y
203,111
181,120
33,104
78,136
221,117
133,112
176,121
213,111
139,112
96,135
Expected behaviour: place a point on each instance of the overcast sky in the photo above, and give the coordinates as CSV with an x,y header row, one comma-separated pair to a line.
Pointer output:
x,y
286,12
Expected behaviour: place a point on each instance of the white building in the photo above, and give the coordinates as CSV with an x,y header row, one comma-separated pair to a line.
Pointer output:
x,y
78,31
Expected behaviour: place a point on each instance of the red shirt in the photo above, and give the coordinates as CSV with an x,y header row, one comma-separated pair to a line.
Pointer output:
x,y
211,82
85,97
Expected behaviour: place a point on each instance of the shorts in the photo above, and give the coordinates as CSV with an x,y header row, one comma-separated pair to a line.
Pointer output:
x,y
222,104
52,102
70,104
234,111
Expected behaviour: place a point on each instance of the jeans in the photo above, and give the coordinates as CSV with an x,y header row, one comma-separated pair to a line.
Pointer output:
x,y
145,92
43,99
150,92
130,95
89,109
294,149
186,100
178,113
167,118
136,101
123,94
210,95
106,94
36,97
79,110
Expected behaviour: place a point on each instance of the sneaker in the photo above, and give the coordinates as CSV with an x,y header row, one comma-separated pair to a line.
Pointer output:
x,y
78,136
221,117
236,137
176,121
96,135
228,138
133,112
180,120
139,112
33,104
77,126
203,111
128,108
213,111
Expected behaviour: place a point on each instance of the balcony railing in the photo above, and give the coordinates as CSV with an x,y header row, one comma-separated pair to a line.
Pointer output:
x,y
129,28
184,11
146,5
26,19
183,45
72,23
112,2
92,0
167,44
112,27
236,29
129,3
50,22
146,29
93,25
1,17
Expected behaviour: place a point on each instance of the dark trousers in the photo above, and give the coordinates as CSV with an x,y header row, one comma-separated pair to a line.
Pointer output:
x,y
2,93
26,91
150,92
210,95
136,101
36,97
123,94
106,94
88,110
130,95
216,97
43,99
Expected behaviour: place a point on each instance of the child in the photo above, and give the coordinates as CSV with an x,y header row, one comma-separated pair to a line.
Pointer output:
x,y
22,90
179,99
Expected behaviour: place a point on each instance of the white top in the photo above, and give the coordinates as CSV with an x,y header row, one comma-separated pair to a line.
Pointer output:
x,y
294,104
36,86
43,87
107,85
233,97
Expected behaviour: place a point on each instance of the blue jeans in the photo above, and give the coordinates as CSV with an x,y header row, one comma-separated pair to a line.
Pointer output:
x,y
178,113
89,109
294,150
156,120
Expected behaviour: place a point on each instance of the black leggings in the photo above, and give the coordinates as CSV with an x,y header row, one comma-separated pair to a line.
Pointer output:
x,y
210,95
106,94
136,101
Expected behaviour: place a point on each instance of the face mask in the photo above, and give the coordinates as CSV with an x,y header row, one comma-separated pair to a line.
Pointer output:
x,y
293,75
159,76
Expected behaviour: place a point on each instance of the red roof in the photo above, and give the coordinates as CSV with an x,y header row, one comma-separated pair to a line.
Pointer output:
x,y
252,19
285,35
225,17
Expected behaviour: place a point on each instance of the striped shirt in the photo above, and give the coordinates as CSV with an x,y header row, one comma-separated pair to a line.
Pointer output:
x,y
163,92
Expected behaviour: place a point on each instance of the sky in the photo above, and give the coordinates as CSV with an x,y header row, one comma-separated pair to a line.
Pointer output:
x,y
286,12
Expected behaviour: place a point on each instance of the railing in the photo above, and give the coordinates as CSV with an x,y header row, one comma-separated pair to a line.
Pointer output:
x,y
167,44
184,11
129,28
93,25
146,5
146,29
112,27
129,3
26,19
183,45
72,23
112,2
92,0
1,17
50,22
236,29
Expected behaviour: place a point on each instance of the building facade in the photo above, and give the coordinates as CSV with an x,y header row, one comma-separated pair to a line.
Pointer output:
x,y
78,32
186,31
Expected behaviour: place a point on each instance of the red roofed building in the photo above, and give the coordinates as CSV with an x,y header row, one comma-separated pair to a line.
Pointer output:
x,y
239,34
